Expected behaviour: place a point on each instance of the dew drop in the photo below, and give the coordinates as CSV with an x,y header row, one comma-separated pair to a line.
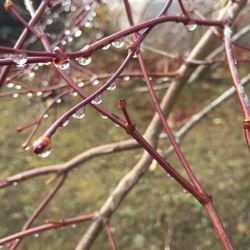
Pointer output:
x,y
18,87
79,114
58,101
65,123
15,183
20,59
15,95
106,47
126,78
74,94
87,7
31,74
45,153
62,65
112,86
97,100
45,116
95,82
84,60
191,26
81,84
1,246
29,94
118,43
73,225
39,93
36,235
66,2
10,85
78,33
104,117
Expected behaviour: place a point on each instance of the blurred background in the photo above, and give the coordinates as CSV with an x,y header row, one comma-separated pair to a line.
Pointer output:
x,y
157,214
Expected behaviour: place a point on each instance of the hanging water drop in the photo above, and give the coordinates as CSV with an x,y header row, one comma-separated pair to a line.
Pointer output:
x,y
15,183
126,78
29,94
81,84
62,64
79,114
45,116
39,93
95,82
73,225
45,153
118,43
58,101
106,47
36,235
104,117
18,87
112,86
78,33
97,100
65,123
84,60
191,26
20,59
10,85
15,95
74,94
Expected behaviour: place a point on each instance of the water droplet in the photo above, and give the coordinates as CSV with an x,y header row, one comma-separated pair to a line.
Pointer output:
x,y
106,47
31,74
1,246
78,33
97,100
15,95
15,183
118,43
126,78
74,94
191,26
45,153
66,2
65,123
95,82
19,59
67,32
184,191
36,235
63,65
73,225
18,87
81,84
87,7
235,61
49,21
84,60
104,116
47,63
29,94
58,101
88,25
79,114
45,116
10,85
39,93
112,86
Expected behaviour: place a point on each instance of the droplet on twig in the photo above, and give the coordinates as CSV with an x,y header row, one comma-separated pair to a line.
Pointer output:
x,y
84,60
97,100
112,86
118,43
79,114
20,59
